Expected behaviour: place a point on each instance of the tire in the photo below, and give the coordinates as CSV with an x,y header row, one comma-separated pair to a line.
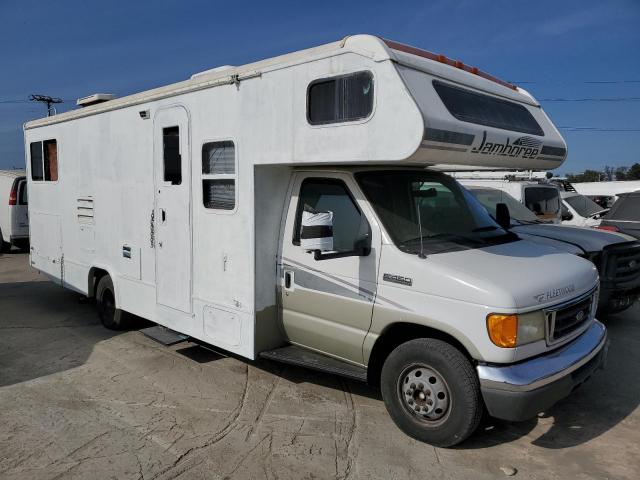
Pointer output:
x,y
4,246
450,384
111,317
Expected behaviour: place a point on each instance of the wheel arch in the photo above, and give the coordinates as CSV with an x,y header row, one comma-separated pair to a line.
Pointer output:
x,y
95,274
398,333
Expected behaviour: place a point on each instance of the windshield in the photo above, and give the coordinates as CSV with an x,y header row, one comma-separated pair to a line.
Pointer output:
x,y
583,205
426,212
544,201
490,197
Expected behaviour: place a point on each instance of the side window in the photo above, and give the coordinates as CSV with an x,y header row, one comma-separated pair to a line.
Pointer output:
x,y
219,175
44,160
171,155
340,99
23,198
321,195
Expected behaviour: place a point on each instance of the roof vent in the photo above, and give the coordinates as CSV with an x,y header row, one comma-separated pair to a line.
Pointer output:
x,y
221,68
94,99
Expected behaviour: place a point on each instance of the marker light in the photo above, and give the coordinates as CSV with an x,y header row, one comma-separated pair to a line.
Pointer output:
x,y
608,228
503,329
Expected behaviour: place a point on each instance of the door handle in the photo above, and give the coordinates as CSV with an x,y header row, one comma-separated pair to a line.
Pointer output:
x,y
288,280
164,215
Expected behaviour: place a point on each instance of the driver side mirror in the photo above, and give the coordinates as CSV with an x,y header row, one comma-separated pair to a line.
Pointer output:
x,y
566,214
503,218
316,233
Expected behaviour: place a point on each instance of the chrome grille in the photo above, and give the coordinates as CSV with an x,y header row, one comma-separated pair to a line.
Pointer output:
x,y
627,265
568,318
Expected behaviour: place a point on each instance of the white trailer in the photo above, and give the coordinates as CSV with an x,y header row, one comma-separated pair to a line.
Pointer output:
x,y
14,220
186,205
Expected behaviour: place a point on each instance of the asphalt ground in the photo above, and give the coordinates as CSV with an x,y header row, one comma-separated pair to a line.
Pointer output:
x,y
80,401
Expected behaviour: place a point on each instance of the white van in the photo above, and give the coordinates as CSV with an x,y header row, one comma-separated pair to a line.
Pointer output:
x,y
282,209
543,199
14,219
580,210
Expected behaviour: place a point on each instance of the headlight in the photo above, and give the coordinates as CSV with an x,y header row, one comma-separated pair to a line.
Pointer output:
x,y
511,330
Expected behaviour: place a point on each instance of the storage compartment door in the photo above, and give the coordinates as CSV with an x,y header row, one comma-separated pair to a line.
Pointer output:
x,y
46,244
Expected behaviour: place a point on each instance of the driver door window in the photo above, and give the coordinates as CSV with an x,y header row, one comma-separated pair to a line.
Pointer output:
x,y
350,227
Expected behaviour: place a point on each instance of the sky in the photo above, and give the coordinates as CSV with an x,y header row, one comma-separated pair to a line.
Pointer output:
x,y
580,59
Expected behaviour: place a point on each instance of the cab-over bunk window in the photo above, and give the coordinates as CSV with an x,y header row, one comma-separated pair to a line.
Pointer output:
x,y
340,99
480,109
44,161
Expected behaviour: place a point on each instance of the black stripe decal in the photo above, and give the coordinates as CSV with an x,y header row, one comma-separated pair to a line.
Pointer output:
x,y
440,147
555,151
316,231
447,136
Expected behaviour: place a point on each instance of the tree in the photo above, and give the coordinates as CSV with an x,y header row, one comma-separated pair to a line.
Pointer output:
x,y
621,173
609,173
634,172
586,176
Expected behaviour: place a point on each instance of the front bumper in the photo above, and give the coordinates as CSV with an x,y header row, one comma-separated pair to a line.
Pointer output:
x,y
519,391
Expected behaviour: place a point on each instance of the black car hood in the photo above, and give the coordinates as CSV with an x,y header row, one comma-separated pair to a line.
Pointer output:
x,y
588,239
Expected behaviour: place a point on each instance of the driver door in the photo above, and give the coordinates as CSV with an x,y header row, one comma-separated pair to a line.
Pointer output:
x,y
327,303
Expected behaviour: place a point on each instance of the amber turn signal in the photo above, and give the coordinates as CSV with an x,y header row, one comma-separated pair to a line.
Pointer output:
x,y
503,329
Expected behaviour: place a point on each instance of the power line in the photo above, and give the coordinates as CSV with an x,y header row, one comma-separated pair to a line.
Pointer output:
x,y
598,129
588,82
591,99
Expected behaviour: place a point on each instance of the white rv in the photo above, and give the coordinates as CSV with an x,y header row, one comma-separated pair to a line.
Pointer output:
x,y
14,220
606,193
282,209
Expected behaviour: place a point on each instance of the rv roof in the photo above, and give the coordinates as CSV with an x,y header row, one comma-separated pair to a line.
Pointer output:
x,y
365,45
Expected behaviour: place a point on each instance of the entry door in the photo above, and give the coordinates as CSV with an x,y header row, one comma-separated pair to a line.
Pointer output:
x,y
172,215
327,304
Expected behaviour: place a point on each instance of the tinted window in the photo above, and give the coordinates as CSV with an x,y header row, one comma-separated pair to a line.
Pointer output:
x,y
340,99
490,197
23,198
626,208
426,212
171,155
37,172
322,195
219,175
44,160
543,201
473,107
583,205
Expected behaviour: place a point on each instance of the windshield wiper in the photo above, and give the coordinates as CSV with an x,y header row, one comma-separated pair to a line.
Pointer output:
x,y
488,228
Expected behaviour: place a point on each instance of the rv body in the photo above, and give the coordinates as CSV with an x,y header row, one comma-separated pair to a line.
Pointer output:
x,y
184,205
14,219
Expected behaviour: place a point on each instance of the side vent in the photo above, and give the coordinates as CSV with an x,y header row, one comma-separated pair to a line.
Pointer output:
x,y
85,210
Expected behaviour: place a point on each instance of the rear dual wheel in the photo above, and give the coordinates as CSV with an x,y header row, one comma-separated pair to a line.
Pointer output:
x,y
432,392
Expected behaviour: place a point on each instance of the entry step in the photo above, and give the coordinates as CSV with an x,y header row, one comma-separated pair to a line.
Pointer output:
x,y
294,355
163,335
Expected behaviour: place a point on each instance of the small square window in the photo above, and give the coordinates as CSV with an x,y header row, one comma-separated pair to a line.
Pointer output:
x,y
44,160
340,99
219,175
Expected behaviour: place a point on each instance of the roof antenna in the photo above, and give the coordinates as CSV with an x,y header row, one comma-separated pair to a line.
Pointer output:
x,y
50,101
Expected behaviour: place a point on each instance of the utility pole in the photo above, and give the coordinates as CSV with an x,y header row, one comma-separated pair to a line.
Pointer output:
x,y
50,101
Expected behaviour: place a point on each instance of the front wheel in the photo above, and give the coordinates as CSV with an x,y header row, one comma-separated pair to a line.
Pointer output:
x,y
432,392
111,317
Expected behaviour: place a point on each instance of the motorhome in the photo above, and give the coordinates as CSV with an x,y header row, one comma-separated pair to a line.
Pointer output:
x,y
529,188
14,220
285,209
